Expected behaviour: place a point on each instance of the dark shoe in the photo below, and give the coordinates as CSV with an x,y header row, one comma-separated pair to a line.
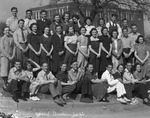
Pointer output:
x,y
61,99
146,103
15,99
86,100
57,101
104,100
24,98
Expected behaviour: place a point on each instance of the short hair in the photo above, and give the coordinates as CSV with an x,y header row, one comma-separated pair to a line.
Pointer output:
x,y
81,28
58,26
125,28
20,20
6,27
14,8
140,36
133,25
76,16
44,62
103,29
93,30
114,31
63,16
26,63
119,66
124,19
43,11
29,10
101,19
18,60
69,27
89,64
134,67
114,15
32,25
109,64
88,18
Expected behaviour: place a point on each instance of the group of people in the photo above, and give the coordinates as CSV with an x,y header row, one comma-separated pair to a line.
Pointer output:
x,y
67,56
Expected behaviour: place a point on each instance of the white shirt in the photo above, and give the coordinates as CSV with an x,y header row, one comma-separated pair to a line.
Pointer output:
x,y
28,22
88,29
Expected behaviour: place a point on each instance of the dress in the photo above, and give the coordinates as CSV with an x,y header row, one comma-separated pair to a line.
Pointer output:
x,y
95,43
83,42
34,40
141,50
47,44
106,41
147,68
6,44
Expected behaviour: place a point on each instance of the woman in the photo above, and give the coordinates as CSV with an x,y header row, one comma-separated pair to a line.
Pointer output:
x,y
34,42
7,48
101,24
65,22
71,46
117,49
141,53
47,48
83,50
95,50
106,45
119,73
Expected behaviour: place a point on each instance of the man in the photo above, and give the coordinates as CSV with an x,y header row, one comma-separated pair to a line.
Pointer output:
x,y
28,20
49,82
17,82
20,39
43,22
113,25
131,85
125,25
12,22
115,84
83,86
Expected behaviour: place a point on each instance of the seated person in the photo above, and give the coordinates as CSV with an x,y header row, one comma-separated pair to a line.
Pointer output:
x,y
83,86
132,84
99,87
34,86
17,82
67,87
114,84
49,82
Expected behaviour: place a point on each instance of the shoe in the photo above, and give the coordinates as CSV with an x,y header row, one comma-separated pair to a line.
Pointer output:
x,y
105,100
57,101
86,100
61,99
121,100
24,98
15,99
146,103
38,99
126,99
33,98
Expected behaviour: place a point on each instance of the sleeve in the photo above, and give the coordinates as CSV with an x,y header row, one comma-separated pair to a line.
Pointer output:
x,y
66,39
89,41
51,76
29,38
108,25
135,47
119,31
11,75
58,76
7,22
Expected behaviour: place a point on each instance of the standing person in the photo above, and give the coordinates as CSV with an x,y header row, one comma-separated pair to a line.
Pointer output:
x,y
47,48
88,26
99,87
117,49
128,46
17,82
95,50
43,22
83,50
67,87
125,25
20,39
141,53
58,49
12,22
56,21
114,84
71,46
7,49
106,46
113,25
34,42
101,24
65,21
28,20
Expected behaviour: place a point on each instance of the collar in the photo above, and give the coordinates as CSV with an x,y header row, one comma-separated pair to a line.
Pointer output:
x,y
125,36
127,71
34,33
45,35
14,17
94,39
15,70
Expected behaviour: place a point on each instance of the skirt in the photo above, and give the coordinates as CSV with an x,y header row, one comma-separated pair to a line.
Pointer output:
x,y
5,66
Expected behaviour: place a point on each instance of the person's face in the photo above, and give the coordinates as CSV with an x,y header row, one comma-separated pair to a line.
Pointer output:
x,y
45,67
125,23
34,28
105,31
90,68
29,67
129,66
57,18
74,19
14,12
101,22
94,33
66,17
125,32
83,31
120,69
58,30
114,34
43,15
18,65
134,29
113,18
46,30
7,31
29,14
64,67
75,65
88,22
21,24
141,40
71,30
109,68
138,68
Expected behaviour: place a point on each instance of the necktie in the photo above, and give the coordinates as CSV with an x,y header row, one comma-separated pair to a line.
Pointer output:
x,y
23,38
45,76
